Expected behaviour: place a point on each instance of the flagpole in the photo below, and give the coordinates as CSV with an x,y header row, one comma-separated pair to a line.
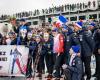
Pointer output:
x,y
87,15
78,15
45,19
69,15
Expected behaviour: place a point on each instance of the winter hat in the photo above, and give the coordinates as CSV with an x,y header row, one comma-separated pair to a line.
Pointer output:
x,y
23,20
55,30
76,49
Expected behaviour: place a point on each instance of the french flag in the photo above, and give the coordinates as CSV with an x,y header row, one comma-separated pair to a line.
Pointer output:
x,y
57,23
78,25
60,21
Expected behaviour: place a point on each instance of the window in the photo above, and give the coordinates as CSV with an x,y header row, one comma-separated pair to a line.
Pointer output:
x,y
49,19
67,18
73,18
82,17
29,23
99,4
94,16
99,15
35,23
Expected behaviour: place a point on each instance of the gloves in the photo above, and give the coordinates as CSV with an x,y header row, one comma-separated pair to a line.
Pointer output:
x,y
49,52
64,66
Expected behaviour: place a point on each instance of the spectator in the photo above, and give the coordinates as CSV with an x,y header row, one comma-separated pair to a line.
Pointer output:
x,y
73,71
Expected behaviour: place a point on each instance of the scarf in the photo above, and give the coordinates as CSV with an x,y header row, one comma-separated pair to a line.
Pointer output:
x,y
71,59
56,43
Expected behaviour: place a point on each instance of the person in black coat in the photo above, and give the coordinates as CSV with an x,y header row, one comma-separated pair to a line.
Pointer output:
x,y
48,51
31,44
74,70
70,38
98,63
39,56
13,39
1,37
87,47
97,52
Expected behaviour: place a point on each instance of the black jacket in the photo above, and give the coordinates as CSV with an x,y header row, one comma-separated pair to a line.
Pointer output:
x,y
47,47
70,40
87,43
32,46
21,41
97,41
14,42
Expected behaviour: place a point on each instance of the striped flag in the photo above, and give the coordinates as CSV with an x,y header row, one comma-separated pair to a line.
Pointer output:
x,y
59,21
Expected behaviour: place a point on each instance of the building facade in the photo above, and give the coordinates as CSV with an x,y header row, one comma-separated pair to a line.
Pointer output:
x,y
73,12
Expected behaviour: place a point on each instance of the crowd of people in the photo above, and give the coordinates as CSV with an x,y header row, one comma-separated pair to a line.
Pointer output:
x,y
54,9
63,50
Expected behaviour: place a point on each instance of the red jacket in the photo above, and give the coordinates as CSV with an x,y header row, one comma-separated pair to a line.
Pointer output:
x,y
59,44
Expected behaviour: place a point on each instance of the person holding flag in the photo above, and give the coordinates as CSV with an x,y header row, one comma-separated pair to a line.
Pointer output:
x,y
70,38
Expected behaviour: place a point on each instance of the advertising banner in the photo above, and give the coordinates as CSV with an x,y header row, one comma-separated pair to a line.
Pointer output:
x,y
13,60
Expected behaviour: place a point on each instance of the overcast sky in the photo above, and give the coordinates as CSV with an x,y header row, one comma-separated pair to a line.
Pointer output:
x,y
13,6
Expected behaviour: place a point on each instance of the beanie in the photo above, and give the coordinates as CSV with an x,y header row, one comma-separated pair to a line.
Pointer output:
x,y
76,49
